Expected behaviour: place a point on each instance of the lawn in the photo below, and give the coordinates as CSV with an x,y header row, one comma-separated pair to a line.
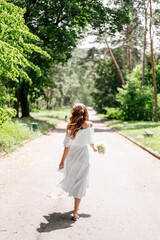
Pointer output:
x,y
15,132
51,116
136,130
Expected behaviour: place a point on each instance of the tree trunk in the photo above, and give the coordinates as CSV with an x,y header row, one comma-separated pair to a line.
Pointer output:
x,y
16,103
144,47
130,58
47,101
115,62
51,96
24,102
126,57
129,48
153,67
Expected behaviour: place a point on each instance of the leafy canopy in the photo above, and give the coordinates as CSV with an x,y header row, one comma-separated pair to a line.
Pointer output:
x,y
15,49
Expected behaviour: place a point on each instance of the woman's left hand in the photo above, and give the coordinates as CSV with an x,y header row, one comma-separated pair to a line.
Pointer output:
x,y
61,165
95,149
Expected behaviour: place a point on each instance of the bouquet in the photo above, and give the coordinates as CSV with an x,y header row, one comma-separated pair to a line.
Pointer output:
x,y
101,147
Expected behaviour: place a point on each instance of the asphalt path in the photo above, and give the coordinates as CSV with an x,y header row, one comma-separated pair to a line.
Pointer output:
x,y
121,203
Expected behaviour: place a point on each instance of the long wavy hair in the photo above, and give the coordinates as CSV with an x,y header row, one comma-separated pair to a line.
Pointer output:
x,y
79,114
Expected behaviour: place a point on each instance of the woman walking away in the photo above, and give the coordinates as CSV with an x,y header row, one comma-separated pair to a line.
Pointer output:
x,y
75,158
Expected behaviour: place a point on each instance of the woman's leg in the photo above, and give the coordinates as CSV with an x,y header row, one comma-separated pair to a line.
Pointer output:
x,y
76,205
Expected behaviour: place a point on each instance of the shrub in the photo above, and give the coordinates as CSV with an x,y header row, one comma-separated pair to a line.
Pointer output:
x,y
12,134
6,113
137,101
113,113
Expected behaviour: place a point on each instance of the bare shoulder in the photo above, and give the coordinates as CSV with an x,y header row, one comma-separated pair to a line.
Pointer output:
x,y
68,132
87,124
91,124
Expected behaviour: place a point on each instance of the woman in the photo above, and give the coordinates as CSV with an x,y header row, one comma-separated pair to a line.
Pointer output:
x,y
79,133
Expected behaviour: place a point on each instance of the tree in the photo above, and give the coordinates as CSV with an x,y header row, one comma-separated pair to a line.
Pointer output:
x,y
106,82
15,50
61,24
130,37
144,45
74,80
6,112
115,63
153,66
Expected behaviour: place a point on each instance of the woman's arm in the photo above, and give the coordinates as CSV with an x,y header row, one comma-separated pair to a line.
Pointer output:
x,y
65,152
93,147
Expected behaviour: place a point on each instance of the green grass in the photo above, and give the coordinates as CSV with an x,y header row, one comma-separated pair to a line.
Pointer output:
x,y
50,116
13,135
136,130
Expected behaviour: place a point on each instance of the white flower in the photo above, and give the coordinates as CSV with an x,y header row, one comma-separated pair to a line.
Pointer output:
x,y
101,147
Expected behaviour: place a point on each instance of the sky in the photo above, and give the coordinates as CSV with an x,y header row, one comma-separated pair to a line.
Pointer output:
x,y
88,42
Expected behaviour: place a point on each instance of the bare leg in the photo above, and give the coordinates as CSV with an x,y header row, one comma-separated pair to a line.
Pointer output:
x,y
76,205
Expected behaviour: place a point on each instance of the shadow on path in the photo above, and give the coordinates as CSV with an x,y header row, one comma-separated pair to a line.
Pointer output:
x,y
103,130
58,220
97,121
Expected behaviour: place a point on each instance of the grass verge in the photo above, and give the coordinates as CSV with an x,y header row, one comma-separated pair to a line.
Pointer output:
x,y
136,130
15,132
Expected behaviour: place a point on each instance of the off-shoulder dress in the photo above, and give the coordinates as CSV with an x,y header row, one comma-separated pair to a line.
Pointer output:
x,y
77,165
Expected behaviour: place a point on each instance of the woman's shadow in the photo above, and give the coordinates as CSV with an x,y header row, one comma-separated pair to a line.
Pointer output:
x,y
58,220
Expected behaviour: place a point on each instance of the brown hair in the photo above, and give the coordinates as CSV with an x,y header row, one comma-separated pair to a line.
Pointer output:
x,y
79,114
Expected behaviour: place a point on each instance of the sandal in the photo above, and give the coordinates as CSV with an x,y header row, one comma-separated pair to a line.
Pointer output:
x,y
75,217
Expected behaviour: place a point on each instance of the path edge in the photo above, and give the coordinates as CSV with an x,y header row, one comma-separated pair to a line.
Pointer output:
x,y
149,150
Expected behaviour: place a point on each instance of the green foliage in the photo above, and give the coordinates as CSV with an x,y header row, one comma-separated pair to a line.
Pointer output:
x,y
113,113
12,134
106,82
6,112
15,50
137,101
73,81
148,73
158,102
60,25
51,116
136,130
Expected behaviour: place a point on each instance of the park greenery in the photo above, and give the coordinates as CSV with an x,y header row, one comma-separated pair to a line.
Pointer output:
x,y
14,133
136,130
43,68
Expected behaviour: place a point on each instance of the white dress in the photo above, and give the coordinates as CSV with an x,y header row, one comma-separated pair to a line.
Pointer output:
x,y
76,165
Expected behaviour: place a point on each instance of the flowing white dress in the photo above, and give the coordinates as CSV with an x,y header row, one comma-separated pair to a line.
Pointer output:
x,y
77,165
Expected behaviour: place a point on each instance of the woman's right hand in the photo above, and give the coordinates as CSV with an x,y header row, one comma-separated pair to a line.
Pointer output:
x,y
61,165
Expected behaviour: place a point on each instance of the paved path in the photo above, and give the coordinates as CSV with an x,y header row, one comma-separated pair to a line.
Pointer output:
x,y
122,203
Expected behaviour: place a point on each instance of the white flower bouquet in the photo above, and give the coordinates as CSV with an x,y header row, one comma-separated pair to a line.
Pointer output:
x,y
101,147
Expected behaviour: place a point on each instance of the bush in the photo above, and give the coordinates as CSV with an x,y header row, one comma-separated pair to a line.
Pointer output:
x,y
137,101
6,113
113,113
12,134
